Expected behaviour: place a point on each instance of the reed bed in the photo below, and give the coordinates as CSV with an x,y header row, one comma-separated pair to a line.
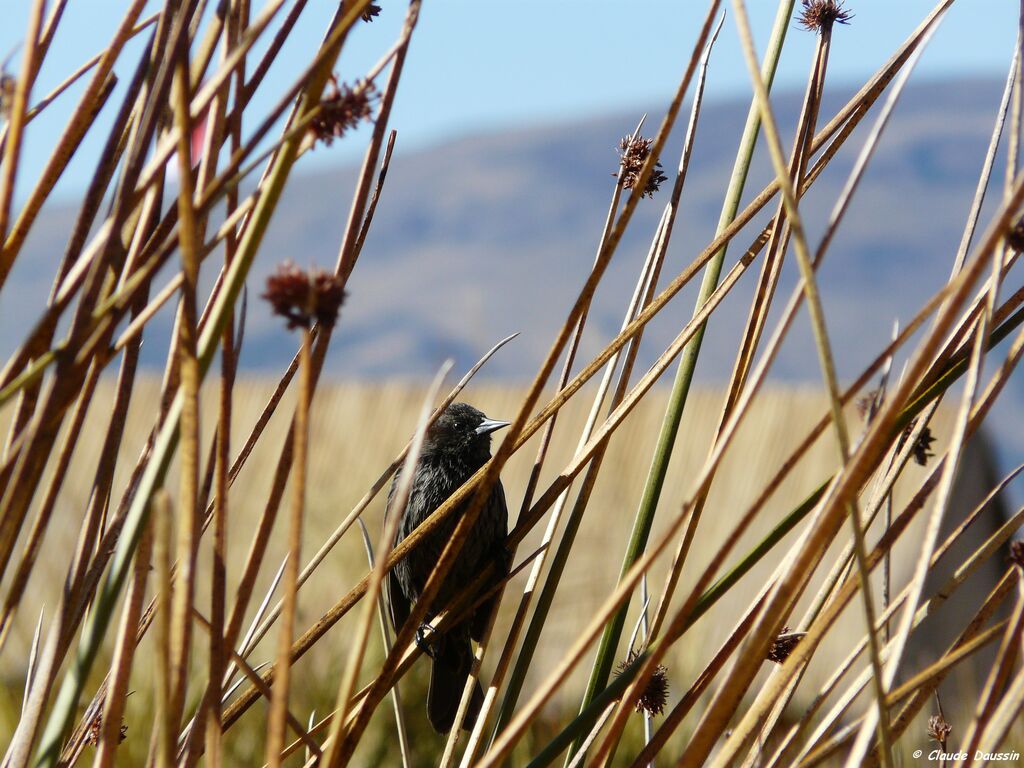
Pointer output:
x,y
190,566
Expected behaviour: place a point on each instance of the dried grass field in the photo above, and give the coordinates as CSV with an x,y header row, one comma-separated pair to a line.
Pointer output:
x,y
357,428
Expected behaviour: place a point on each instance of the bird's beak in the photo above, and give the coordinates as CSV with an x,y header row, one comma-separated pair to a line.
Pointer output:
x,y
490,425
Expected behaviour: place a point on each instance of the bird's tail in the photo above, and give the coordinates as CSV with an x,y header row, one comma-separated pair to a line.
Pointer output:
x,y
453,659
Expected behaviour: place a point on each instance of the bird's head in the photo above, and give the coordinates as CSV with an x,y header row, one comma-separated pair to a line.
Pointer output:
x,y
461,430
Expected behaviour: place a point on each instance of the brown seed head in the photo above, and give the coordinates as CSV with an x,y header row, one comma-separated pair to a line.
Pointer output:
x,y
654,697
1015,237
922,450
939,729
304,297
923,447
866,403
371,10
819,15
342,109
633,155
784,644
1017,553
92,734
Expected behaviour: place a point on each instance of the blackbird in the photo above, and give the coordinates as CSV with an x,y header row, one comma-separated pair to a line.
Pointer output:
x,y
454,448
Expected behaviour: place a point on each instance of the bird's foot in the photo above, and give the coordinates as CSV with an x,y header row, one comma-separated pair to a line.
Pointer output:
x,y
424,639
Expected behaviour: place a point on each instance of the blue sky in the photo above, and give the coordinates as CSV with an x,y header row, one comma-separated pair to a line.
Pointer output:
x,y
487,65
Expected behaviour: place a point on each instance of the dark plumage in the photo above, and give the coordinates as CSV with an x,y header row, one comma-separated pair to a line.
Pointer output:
x,y
455,447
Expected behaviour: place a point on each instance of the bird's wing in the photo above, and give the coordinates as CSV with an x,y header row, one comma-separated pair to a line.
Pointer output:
x,y
501,557
397,602
498,498
501,527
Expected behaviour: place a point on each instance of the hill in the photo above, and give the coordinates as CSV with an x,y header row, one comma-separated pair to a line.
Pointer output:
x,y
463,228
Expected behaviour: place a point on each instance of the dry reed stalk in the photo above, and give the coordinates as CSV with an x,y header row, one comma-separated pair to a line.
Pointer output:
x,y
258,548
682,615
672,527
83,70
300,435
1003,719
840,574
154,173
33,656
642,297
942,594
188,364
162,745
927,681
385,631
684,374
257,431
935,521
936,671
588,740
771,268
54,649
165,147
39,526
764,293
15,131
248,88
499,750
237,19
124,652
39,434
784,755
38,344
45,38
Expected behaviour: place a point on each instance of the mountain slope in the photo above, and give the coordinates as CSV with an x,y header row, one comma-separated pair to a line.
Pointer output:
x,y
464,229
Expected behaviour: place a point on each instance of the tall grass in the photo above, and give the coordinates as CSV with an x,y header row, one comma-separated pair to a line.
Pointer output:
x,y
175,606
